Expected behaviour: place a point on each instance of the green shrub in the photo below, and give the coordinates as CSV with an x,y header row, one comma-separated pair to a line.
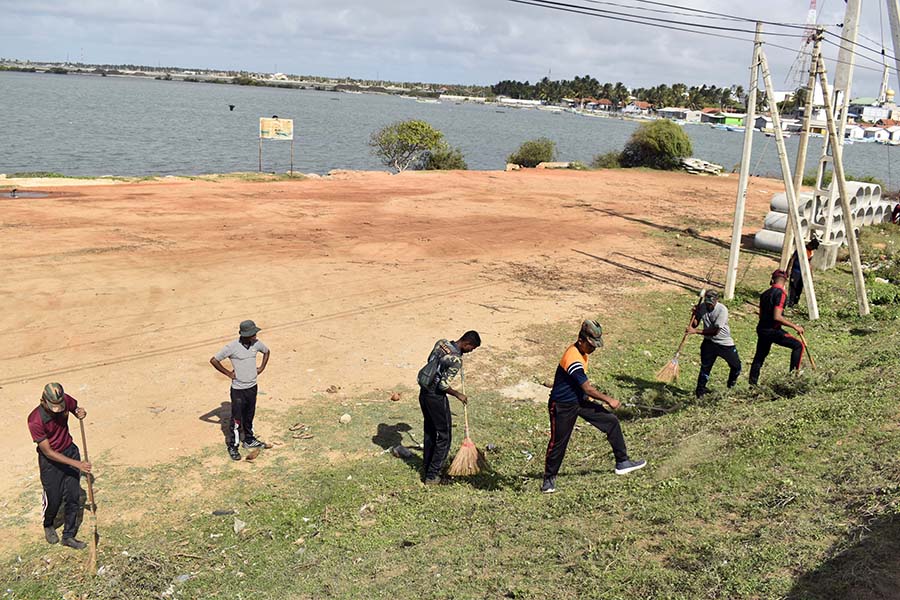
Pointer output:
x,y
577,165
658,145
810,179
609,160
883,293
445,158
406,144
534,152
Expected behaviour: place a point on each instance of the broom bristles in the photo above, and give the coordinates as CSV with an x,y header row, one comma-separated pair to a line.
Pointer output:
x,y
668,373
468,461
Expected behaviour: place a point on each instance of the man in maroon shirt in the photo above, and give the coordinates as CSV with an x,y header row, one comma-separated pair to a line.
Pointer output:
x,y
59,461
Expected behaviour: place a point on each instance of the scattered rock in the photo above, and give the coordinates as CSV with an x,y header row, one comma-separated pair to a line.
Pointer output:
x,y
648,354
345,419
332,389
252,455
223,511
395,397
239,525
881,280
512,167
553,165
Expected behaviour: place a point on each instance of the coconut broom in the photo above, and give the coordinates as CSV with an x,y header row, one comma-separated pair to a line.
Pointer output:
x,y
469,460
92,554
669,372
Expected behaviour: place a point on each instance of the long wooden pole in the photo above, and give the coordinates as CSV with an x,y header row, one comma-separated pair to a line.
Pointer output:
x,y
800,165
260,154
734,253
92,556
838,149
805,272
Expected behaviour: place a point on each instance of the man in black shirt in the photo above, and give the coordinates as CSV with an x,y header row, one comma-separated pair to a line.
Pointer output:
x,y
769,331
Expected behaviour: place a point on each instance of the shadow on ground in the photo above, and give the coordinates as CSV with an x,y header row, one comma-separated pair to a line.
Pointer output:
x,y
867,569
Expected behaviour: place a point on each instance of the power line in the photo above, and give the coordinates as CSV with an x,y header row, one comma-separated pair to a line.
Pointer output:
x,y
625,17
575,10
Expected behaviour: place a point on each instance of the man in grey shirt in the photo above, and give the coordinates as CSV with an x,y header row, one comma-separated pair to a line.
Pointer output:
x,y
242,354
717,340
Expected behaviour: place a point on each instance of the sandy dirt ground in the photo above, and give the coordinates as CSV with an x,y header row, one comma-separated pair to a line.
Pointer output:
x,y
123,292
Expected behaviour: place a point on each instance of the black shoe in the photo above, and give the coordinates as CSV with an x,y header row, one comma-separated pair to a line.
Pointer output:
x,y
233,453
433,481
50,535
549,485
71,542
253,443
628,466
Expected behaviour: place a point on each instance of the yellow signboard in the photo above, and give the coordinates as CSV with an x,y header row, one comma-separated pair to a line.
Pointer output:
x,y
276,129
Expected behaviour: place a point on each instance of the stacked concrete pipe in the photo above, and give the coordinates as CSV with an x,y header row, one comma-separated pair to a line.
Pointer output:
x,y
866,208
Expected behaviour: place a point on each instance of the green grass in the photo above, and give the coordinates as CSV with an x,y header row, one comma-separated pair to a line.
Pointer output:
x,y
789,490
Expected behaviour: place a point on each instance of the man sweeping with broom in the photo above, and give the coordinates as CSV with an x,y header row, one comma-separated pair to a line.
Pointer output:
x,y
711,321
569,399
444,362
59,461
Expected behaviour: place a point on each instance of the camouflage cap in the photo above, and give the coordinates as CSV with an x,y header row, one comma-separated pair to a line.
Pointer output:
x,y
592,332
55,397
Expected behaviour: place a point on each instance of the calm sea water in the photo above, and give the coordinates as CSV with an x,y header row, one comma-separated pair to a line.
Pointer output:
x,y
88,125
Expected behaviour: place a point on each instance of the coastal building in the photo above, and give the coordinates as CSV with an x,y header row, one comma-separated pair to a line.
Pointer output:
x,y
855,132
869,110
605,104
708,114
875,134
723,118
679,114
893,133
637,107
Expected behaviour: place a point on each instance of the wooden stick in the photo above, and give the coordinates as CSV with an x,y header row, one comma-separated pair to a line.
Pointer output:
x,y
92,557
809,357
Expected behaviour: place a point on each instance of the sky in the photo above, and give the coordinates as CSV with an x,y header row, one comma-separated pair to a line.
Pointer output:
x,y
449,41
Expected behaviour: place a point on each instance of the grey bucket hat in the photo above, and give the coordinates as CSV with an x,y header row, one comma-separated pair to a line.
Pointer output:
x,y
248,328
592,332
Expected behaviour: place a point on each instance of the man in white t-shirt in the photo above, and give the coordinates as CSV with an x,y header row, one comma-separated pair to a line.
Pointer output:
x,y
717,342
242,354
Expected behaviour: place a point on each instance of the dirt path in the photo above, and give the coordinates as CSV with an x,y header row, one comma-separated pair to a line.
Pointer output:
x,y
123,292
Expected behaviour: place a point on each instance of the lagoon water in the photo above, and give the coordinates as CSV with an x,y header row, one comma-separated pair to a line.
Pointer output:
x,y
90,125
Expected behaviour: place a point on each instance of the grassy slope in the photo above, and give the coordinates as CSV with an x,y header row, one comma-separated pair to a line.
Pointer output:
x,y
789,490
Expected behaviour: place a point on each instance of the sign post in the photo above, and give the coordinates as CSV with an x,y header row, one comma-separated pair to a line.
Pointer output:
x,y
276,129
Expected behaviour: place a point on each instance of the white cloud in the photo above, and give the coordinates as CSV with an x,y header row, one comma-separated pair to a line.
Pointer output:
x,y
478,41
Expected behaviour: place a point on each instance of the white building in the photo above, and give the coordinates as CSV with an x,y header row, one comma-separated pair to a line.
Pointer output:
x,y
855,132
680,114
876,134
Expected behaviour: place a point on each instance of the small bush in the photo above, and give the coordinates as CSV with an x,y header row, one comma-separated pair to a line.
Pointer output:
x,y
610,160
577,165
534,152
406,144
445,158
658,145
810,179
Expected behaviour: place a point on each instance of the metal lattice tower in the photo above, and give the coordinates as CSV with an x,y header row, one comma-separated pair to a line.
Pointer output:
x,y
799,70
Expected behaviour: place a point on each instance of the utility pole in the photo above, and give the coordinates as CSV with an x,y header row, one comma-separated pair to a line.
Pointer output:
x,y
737,228
793,212
893,7
840,183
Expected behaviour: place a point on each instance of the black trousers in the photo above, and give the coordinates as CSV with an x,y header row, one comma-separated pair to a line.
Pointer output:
x,y
61,483
709,352
243,409
562,421
795,289
438,421
764,340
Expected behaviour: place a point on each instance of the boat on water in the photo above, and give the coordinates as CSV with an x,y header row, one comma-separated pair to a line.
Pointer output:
x,y
428,100
736,128
720,127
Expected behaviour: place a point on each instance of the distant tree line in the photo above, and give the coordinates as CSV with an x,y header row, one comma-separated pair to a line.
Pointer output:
x,y
677,94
